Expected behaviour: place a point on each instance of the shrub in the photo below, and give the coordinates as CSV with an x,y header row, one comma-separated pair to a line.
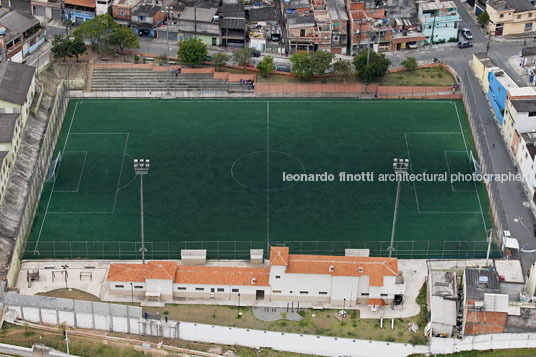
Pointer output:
x,y
136,58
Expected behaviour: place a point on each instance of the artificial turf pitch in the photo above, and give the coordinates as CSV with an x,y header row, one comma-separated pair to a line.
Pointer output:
x,y
216,179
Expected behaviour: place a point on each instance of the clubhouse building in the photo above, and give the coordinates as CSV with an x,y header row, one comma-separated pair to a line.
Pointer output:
x,y
317,280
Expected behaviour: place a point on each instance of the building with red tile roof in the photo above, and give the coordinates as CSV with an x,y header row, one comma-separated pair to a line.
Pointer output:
x,y
331,280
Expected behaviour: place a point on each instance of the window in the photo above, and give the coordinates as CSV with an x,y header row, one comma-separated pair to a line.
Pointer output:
x,y
119,286
501,16
360,269
364,294
518,17
2,110
121,13
278,276
235,290
181,287
138,286
530,14
429,27
383,294
304,292
221,290
528,27
455,25
322,293
276,291
16,110
302,33
200,289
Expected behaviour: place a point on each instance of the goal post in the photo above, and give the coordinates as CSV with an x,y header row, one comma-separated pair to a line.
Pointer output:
x,y
53,169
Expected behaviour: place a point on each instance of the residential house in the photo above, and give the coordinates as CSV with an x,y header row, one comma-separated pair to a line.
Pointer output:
x,y
528,56
370,29
407,34
301,33
233,26
519,117
343,281
17,91
511,279
524,148
439,20
103,7
510,17
145,17
443,299
202,23
338,21
46,8
485,309
481,66
265,29
122,11
79,11
20,35
499,84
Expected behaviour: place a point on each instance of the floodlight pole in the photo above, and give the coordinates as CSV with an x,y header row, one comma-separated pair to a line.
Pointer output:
x,y
401,167
141,167
489,246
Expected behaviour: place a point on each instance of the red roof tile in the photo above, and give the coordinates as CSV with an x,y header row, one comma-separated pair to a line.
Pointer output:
x,y
279,255
373,267
216,275
126,272
161,270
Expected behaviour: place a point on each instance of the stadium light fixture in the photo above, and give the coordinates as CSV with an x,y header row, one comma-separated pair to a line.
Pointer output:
x,y
400,166
141,168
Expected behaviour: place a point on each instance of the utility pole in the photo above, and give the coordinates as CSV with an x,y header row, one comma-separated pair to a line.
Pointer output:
x,y
401,167
141,168
66,341
168,9
433,29
487,44
489,246
195,19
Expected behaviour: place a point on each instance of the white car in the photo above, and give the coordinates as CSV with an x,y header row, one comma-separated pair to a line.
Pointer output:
x,y
467,34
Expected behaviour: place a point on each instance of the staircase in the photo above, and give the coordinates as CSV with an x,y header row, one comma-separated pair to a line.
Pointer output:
x,y
145,79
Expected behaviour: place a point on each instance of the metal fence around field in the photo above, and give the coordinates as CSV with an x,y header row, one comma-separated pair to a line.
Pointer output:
x,y
483,148
241,249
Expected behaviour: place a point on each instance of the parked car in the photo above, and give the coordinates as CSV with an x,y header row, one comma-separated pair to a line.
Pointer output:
x,y
256,53
467,34
208,58
464,44
282,68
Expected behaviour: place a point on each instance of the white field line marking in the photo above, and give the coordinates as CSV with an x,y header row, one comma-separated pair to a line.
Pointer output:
x,y
54,183
415,189
268,176
120,172
474,183
81,171
450,172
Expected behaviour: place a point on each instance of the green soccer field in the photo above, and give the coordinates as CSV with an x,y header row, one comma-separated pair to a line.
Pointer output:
x,y
216,179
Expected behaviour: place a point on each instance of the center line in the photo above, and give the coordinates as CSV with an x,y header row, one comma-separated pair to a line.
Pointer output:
x,y
268,177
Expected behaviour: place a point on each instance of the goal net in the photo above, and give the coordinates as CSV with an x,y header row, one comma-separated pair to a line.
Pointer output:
x,y
475,164
53,169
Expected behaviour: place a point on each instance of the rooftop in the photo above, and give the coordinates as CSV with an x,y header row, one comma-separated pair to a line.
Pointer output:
x,y
443,311
510,271
528,51
85,3
7,126
505,79
437,5
234,24
125,3
337,10
15,81
18,21
219,275
298,4
486,61
524,105
268,13
297,21
200,15
530,142
477,285
443,283
146,10
516,5
233,11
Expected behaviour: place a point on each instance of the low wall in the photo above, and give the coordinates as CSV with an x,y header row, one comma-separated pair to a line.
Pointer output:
x,y
483,342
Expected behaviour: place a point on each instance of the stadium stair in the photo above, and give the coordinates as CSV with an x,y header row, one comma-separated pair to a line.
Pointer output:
x,y
145,79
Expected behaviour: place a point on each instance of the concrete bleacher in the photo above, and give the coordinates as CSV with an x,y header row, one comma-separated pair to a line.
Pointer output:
x,y
145,79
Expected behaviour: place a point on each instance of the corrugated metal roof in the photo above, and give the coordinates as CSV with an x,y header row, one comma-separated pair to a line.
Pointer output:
x,y
18,21
234,24
7,127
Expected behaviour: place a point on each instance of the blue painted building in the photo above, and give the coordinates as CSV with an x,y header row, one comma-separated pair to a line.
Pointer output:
x,y
440,20
79,11
499,85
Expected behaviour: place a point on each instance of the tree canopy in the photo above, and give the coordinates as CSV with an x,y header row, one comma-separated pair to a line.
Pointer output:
x,y
219,60
67,47
242,56
483,18
301,64
410,63
266,66
124,37
97,29
192,51
376,68
320,61
342,68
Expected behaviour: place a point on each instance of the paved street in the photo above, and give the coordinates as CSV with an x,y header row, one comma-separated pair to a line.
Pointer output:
x,y
520,219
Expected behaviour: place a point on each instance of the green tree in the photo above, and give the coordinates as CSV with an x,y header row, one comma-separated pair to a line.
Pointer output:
x,y
97,29
219,60
76,47
410,63
192,51
241,57
123,37
376,68
265,66
483,18
320,61
343,69
60,47
301,65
